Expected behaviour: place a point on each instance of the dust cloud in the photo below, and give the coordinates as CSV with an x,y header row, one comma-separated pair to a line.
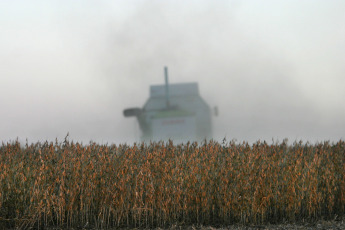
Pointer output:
x,y
274,70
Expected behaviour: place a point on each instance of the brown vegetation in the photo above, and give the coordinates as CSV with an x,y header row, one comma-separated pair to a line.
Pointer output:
x,y
161,184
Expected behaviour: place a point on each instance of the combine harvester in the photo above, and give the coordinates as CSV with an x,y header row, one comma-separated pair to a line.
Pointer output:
x,y
174,112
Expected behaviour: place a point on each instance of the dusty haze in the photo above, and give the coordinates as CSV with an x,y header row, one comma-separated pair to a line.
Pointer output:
x,y
275,69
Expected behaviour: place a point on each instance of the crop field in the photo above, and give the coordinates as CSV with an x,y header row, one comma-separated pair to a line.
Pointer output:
x,y
70,185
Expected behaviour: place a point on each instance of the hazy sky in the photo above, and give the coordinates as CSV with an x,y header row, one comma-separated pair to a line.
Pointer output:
x,y
275,69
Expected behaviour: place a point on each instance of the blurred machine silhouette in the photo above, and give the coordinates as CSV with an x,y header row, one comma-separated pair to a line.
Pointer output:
x,y
175,112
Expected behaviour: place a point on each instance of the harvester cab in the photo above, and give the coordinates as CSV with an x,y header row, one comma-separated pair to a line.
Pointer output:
x,y
173,112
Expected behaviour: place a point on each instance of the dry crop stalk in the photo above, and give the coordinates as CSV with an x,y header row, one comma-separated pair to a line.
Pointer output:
x,y
157,184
